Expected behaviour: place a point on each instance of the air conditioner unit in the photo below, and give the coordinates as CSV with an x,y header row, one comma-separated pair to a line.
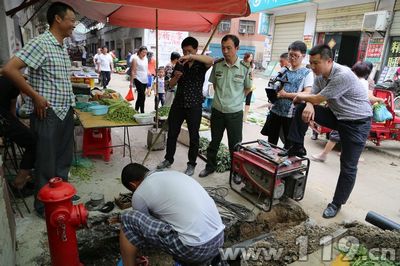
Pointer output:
x,y
376,21
242,30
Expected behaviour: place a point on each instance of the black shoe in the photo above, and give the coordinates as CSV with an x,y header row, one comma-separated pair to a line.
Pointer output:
x,y
164,164
190,170
205,172
330,211
295,150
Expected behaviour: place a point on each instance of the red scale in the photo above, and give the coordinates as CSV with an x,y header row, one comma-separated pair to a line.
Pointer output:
x,y
263,177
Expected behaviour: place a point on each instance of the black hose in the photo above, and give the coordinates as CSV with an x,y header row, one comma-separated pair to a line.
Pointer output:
x,y
381,221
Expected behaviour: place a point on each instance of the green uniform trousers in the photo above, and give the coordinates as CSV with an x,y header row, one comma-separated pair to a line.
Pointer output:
x,y
233,123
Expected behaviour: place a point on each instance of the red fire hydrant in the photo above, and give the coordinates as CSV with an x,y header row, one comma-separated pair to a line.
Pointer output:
x,y
62,220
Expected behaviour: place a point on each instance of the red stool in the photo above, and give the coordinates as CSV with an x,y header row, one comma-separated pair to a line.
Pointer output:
x,y
97,142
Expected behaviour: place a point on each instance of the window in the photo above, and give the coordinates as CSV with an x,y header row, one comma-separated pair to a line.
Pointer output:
x,y
247,26
224,26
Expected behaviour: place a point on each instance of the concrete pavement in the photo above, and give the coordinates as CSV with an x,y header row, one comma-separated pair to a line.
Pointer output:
x,y
376,188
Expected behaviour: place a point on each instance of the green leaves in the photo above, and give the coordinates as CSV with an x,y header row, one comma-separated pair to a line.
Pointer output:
x,y
223,155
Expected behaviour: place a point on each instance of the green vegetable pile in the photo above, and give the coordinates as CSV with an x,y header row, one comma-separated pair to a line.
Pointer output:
x,y
163,111
359,255
223,155
82,169
121,113
119,110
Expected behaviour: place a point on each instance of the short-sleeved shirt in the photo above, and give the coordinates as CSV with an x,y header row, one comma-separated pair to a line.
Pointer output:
x,y
49,72
182,202
105,61
189,92
230,82
95,59
346,95
161,84
141,68
298,80
8,92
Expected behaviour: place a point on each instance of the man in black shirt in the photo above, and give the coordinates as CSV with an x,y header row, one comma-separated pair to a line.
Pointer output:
x,y
189,74
12,128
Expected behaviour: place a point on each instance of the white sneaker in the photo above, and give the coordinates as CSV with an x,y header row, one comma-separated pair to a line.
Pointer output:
x,y
319,157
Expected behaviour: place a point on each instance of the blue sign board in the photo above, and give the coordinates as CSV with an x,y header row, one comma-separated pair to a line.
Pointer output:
x,y
261,5
263,25
216,52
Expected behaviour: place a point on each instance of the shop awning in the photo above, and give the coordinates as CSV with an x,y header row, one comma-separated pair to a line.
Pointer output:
x,y
172,14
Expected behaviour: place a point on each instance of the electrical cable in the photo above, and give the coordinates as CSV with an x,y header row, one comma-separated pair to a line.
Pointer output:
x,y
230,212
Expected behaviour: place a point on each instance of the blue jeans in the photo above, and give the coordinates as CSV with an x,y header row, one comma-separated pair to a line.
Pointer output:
x,y
353,135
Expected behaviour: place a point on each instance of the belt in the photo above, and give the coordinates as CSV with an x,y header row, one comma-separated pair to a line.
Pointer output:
x,y
358,121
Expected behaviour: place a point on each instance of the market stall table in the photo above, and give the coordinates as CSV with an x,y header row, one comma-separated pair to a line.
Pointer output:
x,y
90,121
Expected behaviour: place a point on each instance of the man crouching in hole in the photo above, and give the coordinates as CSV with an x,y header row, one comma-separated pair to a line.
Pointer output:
x,y
171,212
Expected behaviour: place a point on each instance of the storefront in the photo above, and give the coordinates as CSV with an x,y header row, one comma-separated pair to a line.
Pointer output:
x,y
391,70
340,28
393,59
288,28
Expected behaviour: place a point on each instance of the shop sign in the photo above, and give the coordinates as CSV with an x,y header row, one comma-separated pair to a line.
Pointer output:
x,y
263,26
308,41
374,50
261,5
394,53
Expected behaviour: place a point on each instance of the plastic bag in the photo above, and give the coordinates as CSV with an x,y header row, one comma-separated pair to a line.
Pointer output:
x,y
381,113
130,97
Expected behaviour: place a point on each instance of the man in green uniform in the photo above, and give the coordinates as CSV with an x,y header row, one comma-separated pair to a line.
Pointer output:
x,y
231,79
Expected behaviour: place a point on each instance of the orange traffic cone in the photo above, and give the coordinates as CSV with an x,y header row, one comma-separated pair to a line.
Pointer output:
x,y
130,97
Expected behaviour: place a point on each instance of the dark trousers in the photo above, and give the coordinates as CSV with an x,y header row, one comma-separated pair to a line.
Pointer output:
x,y
141,97
175,119
353,135
55,139
276,123
233,123
105,78
157,100
20,134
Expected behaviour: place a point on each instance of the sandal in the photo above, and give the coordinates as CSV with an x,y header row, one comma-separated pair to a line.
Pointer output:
x,y
21,183
124,201
95,203
109,206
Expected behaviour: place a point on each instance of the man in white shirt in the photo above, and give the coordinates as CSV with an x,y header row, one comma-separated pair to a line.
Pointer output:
x,y
105,63
171,211
96,63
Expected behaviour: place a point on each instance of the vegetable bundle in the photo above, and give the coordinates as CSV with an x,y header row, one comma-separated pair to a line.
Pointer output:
x,y
119,110
223,155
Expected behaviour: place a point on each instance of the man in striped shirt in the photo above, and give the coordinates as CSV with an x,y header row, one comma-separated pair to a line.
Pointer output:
x,y
50,95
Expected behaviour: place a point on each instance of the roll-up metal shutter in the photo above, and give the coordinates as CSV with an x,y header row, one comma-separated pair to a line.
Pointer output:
x,y
348,18
395,28
288,28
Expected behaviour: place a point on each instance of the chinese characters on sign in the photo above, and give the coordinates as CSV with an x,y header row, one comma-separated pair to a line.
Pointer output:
x,y
374,50
308,41
394,53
